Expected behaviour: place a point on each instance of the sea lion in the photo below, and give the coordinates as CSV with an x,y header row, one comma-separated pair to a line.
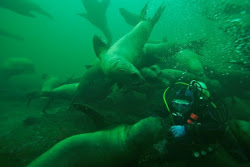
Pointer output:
x,y
186,60
159,53
96,14
174,75
24,7
129,17
50,82
120,60
16,66
126,145
149,75
94,86
241,129
7,34
234,82
156,69
118,147
65,92
177,75
53,86
238,108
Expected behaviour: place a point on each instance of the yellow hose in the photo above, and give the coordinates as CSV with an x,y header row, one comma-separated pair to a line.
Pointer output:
x,y
165,101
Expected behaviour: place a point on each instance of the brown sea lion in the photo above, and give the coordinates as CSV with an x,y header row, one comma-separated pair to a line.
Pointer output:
x,y
130,18
7,34
120,60
24,7
96,14
15,66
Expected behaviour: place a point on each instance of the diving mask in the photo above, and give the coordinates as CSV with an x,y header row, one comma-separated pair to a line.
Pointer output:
x,y
181,106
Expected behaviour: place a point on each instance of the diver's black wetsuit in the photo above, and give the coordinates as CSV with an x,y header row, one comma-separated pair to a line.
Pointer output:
x,y
200,135
206,129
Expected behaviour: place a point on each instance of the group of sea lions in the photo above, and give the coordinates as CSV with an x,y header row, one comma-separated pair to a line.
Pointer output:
x,y
128,80
134,64
145,69
130,63
95,13
125,86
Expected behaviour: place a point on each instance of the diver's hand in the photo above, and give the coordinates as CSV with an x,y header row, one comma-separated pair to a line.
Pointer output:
x,y
178,131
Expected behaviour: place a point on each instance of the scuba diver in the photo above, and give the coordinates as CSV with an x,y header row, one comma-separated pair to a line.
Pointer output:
x,y
198,124
195,124
194,118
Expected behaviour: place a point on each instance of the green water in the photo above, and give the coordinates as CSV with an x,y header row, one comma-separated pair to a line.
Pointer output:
x,y
63,46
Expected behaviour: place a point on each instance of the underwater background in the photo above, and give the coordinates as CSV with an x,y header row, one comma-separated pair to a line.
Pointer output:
x,y
59,45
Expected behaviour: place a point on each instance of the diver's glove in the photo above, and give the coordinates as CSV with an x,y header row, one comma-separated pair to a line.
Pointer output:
x,y
178,131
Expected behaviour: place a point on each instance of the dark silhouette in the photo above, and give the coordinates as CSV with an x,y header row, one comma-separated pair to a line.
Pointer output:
x,y
24,7
96,14
7,34
129,17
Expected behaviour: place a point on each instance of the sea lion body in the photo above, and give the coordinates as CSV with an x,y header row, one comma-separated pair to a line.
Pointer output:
x,y
15,66
94,86
24,7
96,15
5,33
120,60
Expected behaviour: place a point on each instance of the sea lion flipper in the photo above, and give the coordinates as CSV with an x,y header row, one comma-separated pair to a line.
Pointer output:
x,y
43,12
144,11
158,14
99,46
